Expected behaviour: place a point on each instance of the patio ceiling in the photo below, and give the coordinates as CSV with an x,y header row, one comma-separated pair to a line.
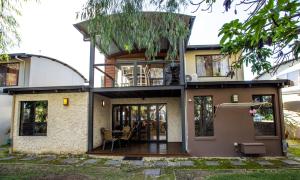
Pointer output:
x,y
140,92
116,49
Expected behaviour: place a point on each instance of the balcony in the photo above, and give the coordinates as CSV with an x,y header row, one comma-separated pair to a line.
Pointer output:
x,y
139,73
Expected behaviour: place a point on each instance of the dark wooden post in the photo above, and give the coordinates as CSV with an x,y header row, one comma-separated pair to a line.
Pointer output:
x,y
91,97
182,97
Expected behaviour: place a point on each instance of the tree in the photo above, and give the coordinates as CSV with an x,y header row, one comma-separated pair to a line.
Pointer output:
x,y
271,30
9,36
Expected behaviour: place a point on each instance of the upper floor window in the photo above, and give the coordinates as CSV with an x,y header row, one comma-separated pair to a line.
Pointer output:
x,y
264,122
33,118
203,114
9,73
212,65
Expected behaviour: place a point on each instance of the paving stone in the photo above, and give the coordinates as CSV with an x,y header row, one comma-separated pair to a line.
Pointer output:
x,y
113,163
290,162
90,161
186,163
152,172
7,158
237,163
137,163
29,158
297,158
212,163
264,163
161,163
71,161
172,164
49,158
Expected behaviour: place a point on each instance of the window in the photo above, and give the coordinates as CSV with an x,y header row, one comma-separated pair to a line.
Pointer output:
x,y
263,119
33,119
203,111
9,73
212,65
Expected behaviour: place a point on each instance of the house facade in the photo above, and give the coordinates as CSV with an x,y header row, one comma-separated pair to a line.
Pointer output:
x,y
28,70
195,104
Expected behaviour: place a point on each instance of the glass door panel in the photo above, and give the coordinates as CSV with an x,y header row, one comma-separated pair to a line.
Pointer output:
x,y
126,116
134,122
116,118
162,119
153,123
144,127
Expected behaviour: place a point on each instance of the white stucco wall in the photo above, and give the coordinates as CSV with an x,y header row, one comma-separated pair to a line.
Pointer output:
x,y
66,125
5,116
45,72
173,113
102,117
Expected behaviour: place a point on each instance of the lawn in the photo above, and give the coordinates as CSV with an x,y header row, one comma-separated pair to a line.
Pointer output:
x,y
294,147
265,175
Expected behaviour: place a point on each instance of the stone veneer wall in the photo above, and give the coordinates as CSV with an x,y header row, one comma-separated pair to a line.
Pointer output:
x,y
66,125
102,118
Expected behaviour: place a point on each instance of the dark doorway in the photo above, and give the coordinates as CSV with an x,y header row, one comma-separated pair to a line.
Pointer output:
x,y
149,121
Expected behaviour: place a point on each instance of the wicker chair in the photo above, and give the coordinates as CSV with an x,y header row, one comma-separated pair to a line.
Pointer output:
x,y
107,137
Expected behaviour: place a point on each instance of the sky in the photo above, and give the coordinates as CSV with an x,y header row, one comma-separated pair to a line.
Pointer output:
x,y
46,28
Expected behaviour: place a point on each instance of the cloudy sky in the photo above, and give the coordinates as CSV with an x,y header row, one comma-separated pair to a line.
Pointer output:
x,y
46,28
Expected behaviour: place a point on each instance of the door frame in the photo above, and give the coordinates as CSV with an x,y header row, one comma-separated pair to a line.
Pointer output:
x,y
139,120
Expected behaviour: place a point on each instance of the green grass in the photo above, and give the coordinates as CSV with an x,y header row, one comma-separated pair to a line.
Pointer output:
x,y
266,175
294,142
295,151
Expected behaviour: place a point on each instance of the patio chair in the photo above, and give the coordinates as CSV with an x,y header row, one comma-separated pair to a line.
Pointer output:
x,y
107,134
127,137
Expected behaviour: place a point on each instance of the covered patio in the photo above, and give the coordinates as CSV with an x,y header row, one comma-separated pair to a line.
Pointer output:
x,y
151,114
142,149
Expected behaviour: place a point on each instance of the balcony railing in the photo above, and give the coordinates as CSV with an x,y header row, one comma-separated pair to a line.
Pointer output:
x,y
139,73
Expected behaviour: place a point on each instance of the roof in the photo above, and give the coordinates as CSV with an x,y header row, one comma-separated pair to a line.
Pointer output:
x,y
204,47
276,66
238,84
24,55
82,27
50,89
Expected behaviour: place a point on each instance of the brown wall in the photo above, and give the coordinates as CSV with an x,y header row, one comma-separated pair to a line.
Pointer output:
x,y
231,124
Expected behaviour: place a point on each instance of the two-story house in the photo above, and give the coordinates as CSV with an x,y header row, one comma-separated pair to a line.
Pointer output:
x,y
28,70
195,104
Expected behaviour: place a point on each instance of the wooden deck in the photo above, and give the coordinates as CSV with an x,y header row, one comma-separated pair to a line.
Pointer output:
x,y
142,149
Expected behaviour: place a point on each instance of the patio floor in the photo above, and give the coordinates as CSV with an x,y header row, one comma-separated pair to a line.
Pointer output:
x,y
142,149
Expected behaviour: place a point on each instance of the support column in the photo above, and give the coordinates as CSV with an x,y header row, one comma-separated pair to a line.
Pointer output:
x,y
182,96
91,97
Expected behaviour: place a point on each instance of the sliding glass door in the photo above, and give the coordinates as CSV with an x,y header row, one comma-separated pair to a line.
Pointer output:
x,y
148,121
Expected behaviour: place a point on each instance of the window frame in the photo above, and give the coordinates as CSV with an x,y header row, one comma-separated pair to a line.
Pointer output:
x,y
213,122
274,115
20,120
209,55
18,74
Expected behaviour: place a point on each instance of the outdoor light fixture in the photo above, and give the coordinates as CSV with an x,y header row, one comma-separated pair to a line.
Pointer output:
x,y
190,100
103,103
66,102
235,98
